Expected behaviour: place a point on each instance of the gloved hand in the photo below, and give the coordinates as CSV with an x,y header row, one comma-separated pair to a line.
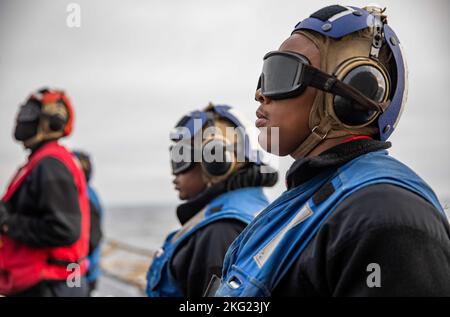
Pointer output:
x,y
4,214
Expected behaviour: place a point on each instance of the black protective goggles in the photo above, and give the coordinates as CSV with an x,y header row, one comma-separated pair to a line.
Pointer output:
x,y
287,74
182,157
29,112
182,154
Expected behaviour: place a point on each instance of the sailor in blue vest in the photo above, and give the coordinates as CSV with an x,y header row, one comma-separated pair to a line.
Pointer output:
x,y
219,171
96,216
353,221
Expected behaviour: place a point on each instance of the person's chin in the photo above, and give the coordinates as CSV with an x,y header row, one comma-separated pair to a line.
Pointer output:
x,y
181,195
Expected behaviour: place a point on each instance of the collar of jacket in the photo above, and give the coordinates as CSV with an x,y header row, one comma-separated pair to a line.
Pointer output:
x,y
188,209
37,146
306,168
249,176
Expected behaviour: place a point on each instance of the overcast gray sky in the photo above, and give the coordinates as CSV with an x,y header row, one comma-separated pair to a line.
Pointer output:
x,y
134,68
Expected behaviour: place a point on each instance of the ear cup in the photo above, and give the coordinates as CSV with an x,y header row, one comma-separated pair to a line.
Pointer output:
x,y
370,80
56,123
56,120
217,158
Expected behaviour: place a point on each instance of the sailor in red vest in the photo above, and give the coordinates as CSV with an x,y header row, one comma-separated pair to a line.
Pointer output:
x,y
44,214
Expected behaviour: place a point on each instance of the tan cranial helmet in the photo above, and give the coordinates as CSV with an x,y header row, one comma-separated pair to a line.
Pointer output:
x,y
219,137
344,57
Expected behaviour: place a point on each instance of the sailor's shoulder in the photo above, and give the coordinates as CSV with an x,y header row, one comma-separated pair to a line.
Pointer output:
x,y
384,207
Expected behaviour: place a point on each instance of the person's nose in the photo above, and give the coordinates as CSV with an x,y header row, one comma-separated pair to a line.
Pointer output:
x,y
259,97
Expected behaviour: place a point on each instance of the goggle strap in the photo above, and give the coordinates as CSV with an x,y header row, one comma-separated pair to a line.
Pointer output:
x,y
316,78
317,135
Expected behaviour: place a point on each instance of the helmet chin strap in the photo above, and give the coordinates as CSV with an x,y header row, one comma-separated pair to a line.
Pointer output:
x,y
324,130
317,135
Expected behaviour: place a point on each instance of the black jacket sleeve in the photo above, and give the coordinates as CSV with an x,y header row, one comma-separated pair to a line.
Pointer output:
x,y
55,218
202,256
410,263
403,234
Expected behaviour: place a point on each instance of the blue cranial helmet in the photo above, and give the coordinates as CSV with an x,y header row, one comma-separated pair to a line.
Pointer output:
x,y
239,147
339,21
360,49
